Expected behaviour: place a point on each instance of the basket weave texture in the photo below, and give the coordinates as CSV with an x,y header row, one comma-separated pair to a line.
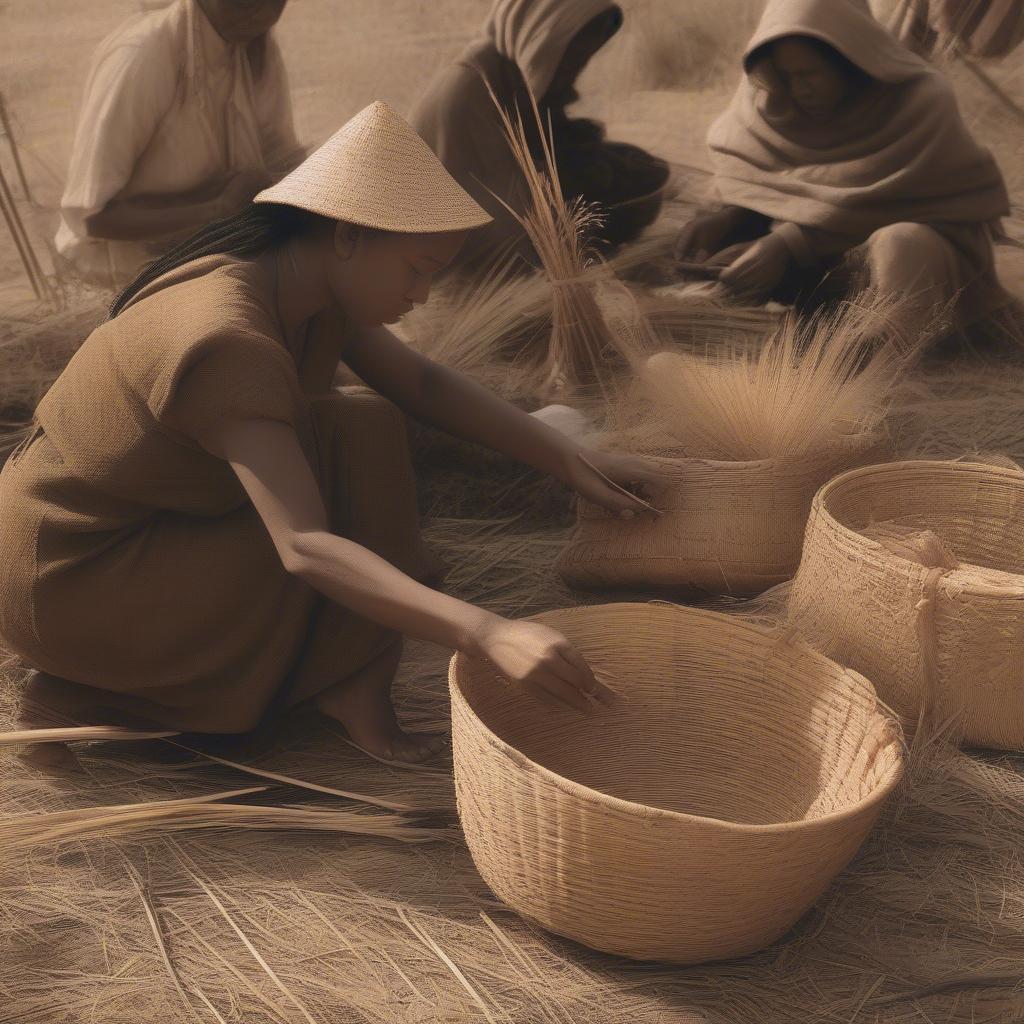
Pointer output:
x,y
699,817
913,573
728,527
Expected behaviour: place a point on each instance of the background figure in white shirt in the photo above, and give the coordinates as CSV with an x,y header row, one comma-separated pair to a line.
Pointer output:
x,y
186,116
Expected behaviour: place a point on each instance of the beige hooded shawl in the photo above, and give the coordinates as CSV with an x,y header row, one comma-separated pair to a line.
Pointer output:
x,y
523,45
900,153
534,34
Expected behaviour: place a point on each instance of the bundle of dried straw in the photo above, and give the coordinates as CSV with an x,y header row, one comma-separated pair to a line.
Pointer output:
x,y
744,439
581,345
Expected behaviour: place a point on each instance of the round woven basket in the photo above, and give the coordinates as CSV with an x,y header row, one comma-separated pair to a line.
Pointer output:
x,y
701,816
942,634
727,528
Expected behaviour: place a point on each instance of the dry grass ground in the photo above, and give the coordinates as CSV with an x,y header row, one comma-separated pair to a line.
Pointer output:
x,y
241,925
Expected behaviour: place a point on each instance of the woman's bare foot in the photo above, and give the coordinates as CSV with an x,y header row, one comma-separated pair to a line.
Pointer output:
x,y
362,704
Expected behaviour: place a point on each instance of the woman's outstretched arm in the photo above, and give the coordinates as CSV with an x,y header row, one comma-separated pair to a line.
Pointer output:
x,y
271,466
450,401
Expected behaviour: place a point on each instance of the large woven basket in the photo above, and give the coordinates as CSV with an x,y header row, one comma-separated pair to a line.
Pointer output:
x,y
935,634
728,527
696,820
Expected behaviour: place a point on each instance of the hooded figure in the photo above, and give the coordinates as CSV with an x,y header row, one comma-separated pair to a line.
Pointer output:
x,y
537,46
840,150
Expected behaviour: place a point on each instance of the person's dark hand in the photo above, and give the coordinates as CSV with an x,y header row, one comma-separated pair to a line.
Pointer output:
x,y
754,273
702,236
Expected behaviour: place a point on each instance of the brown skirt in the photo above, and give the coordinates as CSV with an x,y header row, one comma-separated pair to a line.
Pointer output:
x,y
191,622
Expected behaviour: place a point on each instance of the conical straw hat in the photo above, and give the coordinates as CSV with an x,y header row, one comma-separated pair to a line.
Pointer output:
x,y
377,172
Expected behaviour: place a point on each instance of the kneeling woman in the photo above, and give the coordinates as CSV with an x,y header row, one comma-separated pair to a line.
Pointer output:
x,y
844,158
539,47
200,528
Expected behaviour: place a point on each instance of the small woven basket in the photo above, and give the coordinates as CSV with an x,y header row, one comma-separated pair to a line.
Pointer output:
x,y
932,613
699,817
728,527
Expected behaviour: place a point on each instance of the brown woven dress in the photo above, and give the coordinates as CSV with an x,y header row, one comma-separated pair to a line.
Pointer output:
x,y
133,560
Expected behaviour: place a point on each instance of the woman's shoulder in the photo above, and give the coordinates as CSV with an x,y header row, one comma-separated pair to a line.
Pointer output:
x,y
212,307
209,295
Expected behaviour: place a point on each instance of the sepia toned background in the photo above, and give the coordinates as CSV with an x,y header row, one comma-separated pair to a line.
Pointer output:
x,y
658,83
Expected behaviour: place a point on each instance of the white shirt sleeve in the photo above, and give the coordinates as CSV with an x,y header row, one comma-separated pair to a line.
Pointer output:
x,y
131,87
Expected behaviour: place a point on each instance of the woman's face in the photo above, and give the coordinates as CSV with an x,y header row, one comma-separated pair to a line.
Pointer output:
x,y
814,83
242,21
377,277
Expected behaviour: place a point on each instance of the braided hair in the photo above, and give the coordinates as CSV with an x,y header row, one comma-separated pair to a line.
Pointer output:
x,y
258,228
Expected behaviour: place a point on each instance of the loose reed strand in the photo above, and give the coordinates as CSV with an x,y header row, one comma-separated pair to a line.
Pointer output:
x,y
253,950
79,733
25,831
421,934
617,487
302,784
154,925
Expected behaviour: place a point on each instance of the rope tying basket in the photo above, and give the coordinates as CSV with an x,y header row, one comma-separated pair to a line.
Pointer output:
x,y
913,573
728,527
699,817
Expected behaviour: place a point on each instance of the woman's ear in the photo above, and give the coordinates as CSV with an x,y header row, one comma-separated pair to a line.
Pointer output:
x,y
346,239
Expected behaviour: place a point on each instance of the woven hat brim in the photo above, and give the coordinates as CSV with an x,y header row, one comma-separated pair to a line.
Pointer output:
x,y
376,171
398,224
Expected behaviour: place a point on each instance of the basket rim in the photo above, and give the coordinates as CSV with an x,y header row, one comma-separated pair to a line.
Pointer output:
x,y
596,797
867,437
819,506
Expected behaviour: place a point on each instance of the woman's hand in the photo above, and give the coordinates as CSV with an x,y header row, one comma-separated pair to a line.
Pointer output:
x,y
703,235
755,272
587,469
543,662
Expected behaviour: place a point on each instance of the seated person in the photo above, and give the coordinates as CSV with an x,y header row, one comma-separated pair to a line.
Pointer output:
x,y
982,28
843,163
186,116
538,46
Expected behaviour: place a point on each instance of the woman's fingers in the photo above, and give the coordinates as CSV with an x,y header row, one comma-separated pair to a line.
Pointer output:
x,y
725,258
544,696
745,278
593,687
562,692
625,506
632,474
612,496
